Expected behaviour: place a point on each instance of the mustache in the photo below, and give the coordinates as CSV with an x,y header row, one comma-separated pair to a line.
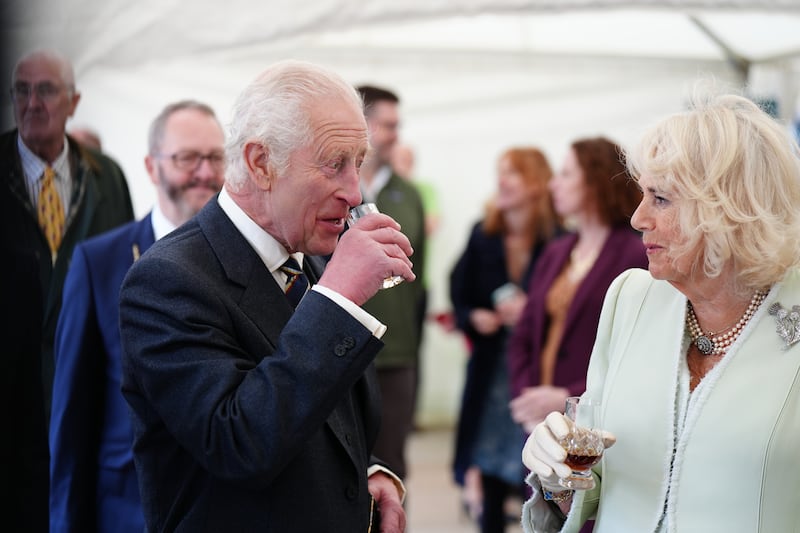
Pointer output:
x,y
201,184
175,191
194,182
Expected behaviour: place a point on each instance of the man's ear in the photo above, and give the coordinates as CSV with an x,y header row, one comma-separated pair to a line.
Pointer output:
x,y
256,157
73,102
152,168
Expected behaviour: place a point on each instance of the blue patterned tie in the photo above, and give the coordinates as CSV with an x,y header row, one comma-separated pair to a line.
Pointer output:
x,y
296,281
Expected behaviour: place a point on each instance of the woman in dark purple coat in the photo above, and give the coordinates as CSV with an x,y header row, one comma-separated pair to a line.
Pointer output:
x,y
548,353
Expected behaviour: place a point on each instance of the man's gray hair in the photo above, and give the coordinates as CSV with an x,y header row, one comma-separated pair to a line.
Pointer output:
x,y
159,124
274,110
65,69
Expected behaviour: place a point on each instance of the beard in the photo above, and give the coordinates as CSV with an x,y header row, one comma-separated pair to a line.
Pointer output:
x,y
178,193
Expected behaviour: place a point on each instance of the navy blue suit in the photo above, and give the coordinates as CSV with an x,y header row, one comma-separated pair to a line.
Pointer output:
x,y
93,484
248,415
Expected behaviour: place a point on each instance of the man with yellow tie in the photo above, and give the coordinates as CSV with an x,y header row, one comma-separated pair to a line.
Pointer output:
x,y
53,194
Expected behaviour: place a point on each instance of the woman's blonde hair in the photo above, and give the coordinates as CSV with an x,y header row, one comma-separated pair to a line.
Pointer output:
x,y
736,174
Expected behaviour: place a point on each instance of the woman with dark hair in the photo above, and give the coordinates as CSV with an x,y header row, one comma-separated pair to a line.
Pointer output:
x,y
549,350
487,289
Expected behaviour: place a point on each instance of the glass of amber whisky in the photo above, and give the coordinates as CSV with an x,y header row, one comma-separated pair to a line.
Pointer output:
x,y
584,442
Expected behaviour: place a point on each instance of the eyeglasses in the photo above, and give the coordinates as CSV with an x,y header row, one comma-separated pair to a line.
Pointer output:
x,y
191,160
45,91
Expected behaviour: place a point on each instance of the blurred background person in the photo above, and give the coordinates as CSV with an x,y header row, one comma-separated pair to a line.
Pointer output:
x,y
696,361
93,485
488,287
549,349
401,308
403,162
54,193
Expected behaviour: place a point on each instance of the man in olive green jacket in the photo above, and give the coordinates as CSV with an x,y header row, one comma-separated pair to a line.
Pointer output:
x,y
401,308
95,197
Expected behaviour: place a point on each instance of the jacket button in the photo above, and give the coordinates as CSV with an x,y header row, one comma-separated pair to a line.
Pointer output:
x,y
347,344
351,492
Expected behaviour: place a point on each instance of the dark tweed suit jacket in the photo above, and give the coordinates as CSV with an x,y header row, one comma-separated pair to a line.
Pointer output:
x,y
248,415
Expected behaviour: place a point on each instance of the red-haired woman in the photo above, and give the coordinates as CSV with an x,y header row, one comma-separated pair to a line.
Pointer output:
x,y
487,289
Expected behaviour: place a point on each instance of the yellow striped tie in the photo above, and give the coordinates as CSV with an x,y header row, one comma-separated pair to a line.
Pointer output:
x,y
51,211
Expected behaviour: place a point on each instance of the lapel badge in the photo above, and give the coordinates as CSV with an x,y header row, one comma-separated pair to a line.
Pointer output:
x,y
788,323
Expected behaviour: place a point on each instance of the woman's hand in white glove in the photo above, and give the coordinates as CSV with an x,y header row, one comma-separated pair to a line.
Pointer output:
x,y
543,454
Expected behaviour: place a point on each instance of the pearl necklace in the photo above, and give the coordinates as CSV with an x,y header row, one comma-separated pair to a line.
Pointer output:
x,y
710,344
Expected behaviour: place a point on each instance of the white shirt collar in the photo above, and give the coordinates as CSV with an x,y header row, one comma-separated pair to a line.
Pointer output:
x,y
271,252
33,166
161,224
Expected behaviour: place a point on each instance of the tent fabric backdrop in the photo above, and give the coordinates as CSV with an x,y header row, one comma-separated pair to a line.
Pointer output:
x,y
475,77
95,31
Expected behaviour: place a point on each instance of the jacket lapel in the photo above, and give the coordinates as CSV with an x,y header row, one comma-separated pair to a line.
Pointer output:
x,y
266,305
142,237
261,299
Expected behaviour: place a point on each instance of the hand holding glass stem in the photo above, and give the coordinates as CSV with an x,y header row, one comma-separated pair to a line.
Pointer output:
x,y
546,454
583,443
358,212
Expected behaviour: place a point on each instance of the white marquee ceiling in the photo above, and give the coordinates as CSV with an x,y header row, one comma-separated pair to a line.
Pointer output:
x,y
475,76
98,31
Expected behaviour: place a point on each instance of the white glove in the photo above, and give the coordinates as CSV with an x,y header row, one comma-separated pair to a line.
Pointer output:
x,y
543,454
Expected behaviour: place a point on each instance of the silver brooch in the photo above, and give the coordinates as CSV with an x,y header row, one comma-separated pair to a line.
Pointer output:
x,y
788,323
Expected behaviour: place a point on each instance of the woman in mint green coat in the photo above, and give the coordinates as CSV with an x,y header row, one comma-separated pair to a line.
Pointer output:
x,y
696,363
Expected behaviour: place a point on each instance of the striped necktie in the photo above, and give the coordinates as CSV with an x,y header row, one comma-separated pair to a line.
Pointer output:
x,y
51,211
296,281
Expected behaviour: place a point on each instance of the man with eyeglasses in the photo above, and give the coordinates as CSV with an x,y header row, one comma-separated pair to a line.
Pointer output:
x,y
53,194
93,485
402,308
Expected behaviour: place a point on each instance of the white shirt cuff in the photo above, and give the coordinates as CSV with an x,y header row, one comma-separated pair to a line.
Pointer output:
x,y
401,488
370,322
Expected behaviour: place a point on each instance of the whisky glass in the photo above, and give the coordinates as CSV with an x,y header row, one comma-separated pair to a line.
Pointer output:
x,y
358,212
583,444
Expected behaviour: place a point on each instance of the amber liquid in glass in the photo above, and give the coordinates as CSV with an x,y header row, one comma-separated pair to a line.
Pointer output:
x,y
582,460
